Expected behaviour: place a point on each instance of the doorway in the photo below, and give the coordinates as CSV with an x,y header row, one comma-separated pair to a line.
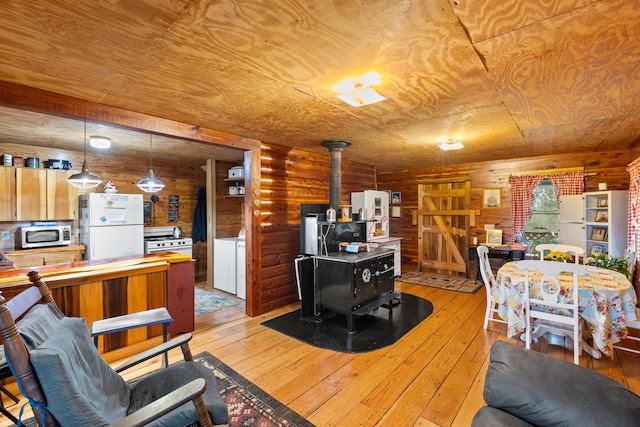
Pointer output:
x,y
444,219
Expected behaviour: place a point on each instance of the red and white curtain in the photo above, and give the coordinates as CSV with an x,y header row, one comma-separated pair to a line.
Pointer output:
x,y
522,187
634,208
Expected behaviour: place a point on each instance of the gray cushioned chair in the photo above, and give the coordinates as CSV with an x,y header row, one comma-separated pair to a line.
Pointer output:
x,y
525,388
68,383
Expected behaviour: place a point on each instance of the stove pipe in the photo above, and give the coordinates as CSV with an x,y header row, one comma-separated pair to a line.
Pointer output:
x,y
335,147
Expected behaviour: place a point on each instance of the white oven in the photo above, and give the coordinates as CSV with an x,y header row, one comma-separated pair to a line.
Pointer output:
x,y
160,239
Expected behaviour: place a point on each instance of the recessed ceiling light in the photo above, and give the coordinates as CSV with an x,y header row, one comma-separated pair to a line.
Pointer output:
x,y
100,141
450,144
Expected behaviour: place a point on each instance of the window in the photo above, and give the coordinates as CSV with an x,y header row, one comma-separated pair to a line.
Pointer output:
x,y
543,224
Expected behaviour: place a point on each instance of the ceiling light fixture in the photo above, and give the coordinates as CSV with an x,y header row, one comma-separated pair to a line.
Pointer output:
x,y
150,184
99,141
451,144
359,91
84,179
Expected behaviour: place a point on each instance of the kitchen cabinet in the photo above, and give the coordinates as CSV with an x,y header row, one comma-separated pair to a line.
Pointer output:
x,y
180,297
606,222
45,256
571,226
44,194
7,194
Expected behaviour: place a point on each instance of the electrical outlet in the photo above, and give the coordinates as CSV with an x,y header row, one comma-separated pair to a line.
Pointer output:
x,y
6,235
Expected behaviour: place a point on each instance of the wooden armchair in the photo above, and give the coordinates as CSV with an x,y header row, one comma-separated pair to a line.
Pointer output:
x,y
66,381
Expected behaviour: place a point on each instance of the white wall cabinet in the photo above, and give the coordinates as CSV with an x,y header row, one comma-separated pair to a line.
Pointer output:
x,y
606,222
571,227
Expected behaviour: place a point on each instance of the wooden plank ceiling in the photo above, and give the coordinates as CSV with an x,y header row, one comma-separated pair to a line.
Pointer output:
x,y
512,78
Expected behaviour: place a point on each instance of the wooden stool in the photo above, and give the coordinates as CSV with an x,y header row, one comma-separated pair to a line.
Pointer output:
x,y
141,319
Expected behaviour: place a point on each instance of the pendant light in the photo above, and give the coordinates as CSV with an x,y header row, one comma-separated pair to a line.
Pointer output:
x,y
84,179
150,184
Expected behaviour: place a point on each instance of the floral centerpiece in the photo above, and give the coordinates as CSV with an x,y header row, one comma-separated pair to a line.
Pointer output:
x,y
559,256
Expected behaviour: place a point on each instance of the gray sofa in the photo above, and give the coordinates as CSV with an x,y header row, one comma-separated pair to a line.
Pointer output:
x,y
525,388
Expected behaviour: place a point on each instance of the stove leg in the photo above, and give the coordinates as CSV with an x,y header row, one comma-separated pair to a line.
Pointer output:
x,y
350,323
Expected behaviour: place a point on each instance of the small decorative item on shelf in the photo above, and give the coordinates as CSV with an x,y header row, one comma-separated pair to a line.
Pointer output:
x,y
110,187
559,256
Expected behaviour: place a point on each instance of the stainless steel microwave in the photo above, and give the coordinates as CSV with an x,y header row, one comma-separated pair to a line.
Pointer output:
x,y
45,235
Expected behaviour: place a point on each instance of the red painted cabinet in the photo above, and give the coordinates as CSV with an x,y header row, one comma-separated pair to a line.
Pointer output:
x,y
180,297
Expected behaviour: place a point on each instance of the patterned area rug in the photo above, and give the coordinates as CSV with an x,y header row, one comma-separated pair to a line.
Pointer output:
x,y
206,302
248,404
450,283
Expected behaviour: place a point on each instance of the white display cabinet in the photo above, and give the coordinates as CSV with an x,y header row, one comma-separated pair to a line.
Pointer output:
x,y
606,222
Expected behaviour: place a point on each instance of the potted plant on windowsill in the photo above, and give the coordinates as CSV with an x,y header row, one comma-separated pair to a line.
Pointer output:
x,y
610,263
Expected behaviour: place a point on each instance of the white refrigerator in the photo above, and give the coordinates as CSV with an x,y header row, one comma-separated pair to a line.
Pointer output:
x,y
376,204
111,225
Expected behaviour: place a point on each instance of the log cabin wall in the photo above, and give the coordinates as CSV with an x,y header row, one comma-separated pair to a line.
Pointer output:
x,y
608,166
291,177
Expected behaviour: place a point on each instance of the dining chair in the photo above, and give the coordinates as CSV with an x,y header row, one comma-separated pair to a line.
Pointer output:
x,y
576,251
634,324
630,257
491,314
562,317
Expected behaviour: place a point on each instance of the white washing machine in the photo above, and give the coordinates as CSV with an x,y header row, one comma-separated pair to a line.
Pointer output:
x,y
224,264
241,269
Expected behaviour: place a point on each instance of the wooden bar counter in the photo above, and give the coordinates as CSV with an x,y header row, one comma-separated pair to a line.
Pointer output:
x,y
101,289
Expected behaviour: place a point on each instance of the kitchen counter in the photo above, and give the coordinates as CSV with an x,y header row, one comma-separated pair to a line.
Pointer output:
x,y
53,274
100,289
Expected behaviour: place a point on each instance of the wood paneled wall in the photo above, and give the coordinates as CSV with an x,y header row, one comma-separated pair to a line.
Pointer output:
x,y
608,166
291,177
229,210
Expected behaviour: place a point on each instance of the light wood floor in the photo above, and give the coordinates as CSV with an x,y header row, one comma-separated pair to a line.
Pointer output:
x,y
433,376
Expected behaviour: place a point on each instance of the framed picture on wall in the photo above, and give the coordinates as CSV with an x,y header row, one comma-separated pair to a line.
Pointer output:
x,y
492,198
494,238
395,197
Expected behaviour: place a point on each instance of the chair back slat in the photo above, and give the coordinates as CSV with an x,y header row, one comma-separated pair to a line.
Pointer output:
x,y
22,302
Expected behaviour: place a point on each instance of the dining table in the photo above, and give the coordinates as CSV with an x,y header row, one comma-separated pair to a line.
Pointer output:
x,y
606,302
